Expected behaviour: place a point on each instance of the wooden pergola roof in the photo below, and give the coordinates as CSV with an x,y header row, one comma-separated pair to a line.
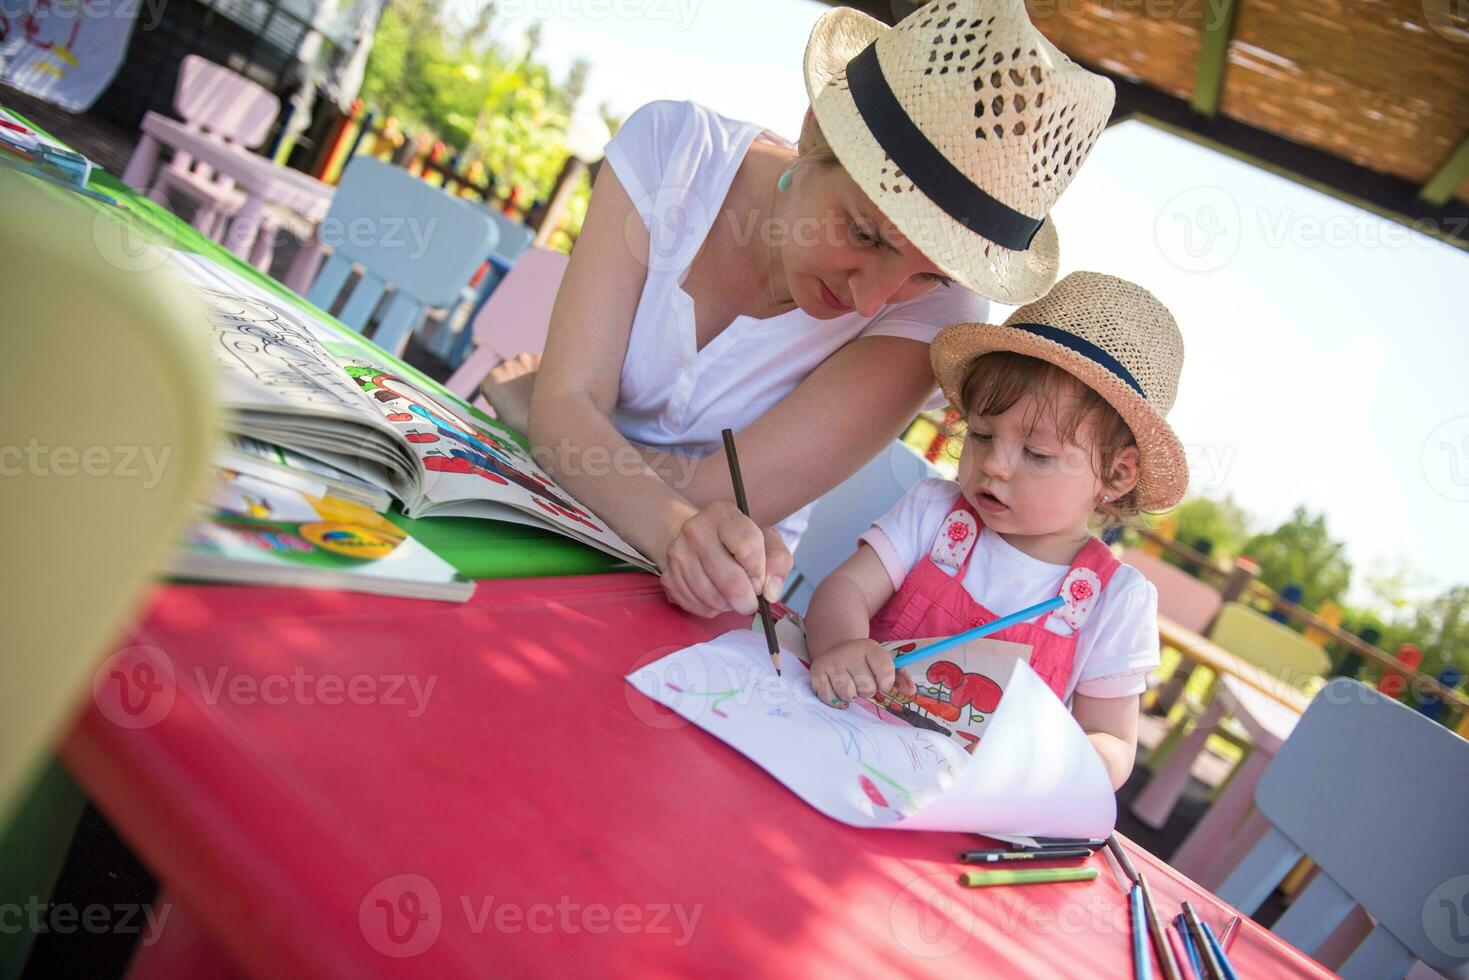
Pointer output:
x,y
1367,100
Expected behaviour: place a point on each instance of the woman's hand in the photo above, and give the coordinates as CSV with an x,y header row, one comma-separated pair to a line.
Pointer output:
x,y
720,559
857,668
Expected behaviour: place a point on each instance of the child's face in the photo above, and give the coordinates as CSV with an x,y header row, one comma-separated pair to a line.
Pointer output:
x,y
1024,479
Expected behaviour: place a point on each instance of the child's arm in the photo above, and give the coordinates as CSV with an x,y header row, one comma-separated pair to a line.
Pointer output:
x,y
845,662
1111,725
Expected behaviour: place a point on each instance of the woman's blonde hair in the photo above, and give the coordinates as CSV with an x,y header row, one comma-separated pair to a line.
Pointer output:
x,y
996,381
813,149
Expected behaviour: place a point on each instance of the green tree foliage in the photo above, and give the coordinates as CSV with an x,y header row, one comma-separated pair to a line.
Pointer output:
x,y
1222,523
1302,551
488,103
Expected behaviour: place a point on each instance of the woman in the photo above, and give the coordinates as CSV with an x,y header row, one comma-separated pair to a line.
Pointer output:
x,y
724,278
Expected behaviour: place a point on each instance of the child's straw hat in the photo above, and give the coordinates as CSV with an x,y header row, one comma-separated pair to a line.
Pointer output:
x,y
963,124
1115,338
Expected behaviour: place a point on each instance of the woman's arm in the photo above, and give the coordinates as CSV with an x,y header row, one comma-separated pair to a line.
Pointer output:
x,y
712,557
1111,725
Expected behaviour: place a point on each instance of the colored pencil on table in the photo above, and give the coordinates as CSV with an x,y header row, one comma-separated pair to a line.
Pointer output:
x,y
744,505
1206,952
1224,965
1142,960
1000,857
1115,846
1025,876
1158,932
1188,944
992,627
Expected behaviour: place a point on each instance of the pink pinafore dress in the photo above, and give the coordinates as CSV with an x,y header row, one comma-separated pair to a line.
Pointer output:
x,y
931,603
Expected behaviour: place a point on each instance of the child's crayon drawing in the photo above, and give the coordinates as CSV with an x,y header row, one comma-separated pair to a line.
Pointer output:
x,y
1035,772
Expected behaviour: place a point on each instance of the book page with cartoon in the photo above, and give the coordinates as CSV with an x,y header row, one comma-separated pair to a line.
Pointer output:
x,y
292,380
995,752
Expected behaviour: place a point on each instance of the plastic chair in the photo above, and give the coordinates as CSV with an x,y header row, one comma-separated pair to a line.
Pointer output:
x,y
229,107
1256,639
514,319
84,514
1373,793
423,243
1184,599
515,239
846,512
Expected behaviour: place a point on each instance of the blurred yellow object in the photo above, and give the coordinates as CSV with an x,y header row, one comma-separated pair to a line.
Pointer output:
x,y
1166,528
107,423
1330,613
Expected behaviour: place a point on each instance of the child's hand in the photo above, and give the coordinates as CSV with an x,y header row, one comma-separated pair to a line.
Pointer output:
x,y
856,668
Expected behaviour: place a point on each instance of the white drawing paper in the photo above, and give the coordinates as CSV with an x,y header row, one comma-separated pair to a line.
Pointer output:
x,y
1032,772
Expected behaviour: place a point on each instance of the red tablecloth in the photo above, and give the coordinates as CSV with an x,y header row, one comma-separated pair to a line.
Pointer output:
x,y
530,813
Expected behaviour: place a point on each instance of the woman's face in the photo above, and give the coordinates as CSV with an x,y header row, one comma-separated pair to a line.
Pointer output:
x,y
840,253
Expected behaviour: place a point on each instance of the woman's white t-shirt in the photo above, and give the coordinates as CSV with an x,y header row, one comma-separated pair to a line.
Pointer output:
x,y
677,160
1118,644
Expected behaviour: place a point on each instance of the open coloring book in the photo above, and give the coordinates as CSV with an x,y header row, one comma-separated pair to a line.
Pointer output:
x,y
293,381
1011,761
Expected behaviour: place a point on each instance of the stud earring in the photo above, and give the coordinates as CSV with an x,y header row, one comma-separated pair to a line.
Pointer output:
x,y
784,183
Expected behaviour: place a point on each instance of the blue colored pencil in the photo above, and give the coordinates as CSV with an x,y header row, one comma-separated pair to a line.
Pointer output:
x,y
1218,948
1181,925
1142,960
993,627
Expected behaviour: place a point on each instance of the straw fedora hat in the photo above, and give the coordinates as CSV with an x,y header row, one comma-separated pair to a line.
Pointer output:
x,y
1113,336
963,124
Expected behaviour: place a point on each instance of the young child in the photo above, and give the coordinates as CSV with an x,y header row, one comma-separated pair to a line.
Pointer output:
x,y
1065,406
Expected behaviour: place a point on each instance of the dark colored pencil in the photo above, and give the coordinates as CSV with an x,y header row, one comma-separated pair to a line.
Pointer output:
x,y
1158,933
1115,846
1206,953
744,505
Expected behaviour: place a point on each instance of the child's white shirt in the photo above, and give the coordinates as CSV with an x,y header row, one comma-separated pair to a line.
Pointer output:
x,y
1118,645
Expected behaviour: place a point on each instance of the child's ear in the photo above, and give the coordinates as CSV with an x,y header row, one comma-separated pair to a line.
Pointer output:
x,y
1124,474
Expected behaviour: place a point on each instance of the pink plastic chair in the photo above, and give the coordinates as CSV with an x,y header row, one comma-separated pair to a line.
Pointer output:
x,y
1181,597
514,320
229,107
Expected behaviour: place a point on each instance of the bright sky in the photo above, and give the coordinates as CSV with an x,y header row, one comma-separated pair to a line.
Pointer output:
x,y
1326,347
